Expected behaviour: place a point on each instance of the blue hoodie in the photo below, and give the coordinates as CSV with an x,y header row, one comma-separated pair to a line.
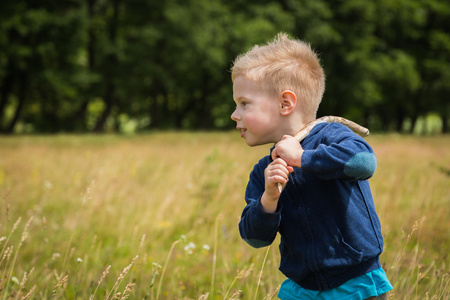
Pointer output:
x,y
330,231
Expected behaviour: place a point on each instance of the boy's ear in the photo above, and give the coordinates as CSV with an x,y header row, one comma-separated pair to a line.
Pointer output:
x,y
288,102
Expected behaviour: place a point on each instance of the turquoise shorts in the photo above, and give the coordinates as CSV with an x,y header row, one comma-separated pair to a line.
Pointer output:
x,y
372,284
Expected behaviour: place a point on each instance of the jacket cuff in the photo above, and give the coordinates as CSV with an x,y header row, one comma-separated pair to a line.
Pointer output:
x,y
307,159
266,216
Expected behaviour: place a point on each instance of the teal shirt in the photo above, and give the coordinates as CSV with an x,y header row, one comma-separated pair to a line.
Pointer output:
x,y
374,283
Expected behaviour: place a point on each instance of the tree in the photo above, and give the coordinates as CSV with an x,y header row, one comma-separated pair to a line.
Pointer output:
x,y
38,80
92,65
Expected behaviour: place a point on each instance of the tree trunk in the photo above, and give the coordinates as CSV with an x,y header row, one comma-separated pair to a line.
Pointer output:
x,y
413,122
5,88
444,122
399,120
366,118
155,111
91,36
23,86
80,115
111,66
8,80
205,112
78,118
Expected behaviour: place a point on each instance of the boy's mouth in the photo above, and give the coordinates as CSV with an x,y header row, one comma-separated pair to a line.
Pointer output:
x,y
243,131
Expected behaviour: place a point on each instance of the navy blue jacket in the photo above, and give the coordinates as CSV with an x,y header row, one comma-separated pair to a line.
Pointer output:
x,y
326,217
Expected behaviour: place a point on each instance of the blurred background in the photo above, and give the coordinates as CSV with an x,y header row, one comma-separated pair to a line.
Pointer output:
x,y
137,65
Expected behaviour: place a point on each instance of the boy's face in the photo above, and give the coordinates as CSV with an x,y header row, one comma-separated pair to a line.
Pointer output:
x,y
257,112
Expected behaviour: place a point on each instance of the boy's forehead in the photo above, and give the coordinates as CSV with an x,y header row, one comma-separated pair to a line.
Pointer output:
x,y
243,83
245,87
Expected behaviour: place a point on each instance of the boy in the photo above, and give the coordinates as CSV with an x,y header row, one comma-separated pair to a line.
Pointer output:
x,y
330,232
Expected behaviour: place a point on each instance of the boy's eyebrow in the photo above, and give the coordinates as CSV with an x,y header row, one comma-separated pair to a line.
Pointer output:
x,y
241,98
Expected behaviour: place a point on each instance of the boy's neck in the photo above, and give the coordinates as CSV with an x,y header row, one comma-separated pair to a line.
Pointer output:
x,y
296,123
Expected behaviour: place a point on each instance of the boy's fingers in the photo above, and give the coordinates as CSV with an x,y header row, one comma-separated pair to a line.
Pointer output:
x,y
279,175
287,169
276,149
279,160
284,175
274,154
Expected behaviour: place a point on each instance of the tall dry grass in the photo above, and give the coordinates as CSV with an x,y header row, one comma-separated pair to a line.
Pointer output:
x,y
155,217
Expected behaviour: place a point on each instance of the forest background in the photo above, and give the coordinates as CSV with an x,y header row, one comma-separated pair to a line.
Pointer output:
x,y
75,209
136,65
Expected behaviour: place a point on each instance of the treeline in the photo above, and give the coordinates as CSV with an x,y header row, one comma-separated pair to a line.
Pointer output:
x,y
116,65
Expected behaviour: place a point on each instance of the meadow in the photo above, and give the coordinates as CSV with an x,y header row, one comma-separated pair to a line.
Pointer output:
x,y
155,217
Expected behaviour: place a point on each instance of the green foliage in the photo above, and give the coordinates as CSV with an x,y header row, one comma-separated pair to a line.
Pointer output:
x,y
165,64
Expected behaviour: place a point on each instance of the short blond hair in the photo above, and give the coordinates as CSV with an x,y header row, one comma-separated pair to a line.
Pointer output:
x,y
285,64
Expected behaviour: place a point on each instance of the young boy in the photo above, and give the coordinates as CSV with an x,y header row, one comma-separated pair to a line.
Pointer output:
x,y
330,232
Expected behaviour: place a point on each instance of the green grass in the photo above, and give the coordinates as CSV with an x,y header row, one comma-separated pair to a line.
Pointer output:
x,y
155,217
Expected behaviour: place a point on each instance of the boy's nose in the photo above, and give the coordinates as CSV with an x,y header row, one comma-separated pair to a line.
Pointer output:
x,y
234,116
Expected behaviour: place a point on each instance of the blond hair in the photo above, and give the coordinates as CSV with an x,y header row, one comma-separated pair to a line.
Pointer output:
x,y
285,64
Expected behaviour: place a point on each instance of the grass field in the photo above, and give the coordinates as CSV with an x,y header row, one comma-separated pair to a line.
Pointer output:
x,y
155,217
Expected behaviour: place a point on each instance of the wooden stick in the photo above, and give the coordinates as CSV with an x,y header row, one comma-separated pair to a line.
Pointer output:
x,y
356,128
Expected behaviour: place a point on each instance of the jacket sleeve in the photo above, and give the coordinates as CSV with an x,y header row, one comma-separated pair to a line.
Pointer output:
x,y
341,155
257,227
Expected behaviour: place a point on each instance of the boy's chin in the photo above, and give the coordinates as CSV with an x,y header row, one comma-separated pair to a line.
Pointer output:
x,y
251,143
253,140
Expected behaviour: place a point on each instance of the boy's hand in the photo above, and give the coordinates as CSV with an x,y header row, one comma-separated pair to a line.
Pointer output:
x,y
290,150
276,172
